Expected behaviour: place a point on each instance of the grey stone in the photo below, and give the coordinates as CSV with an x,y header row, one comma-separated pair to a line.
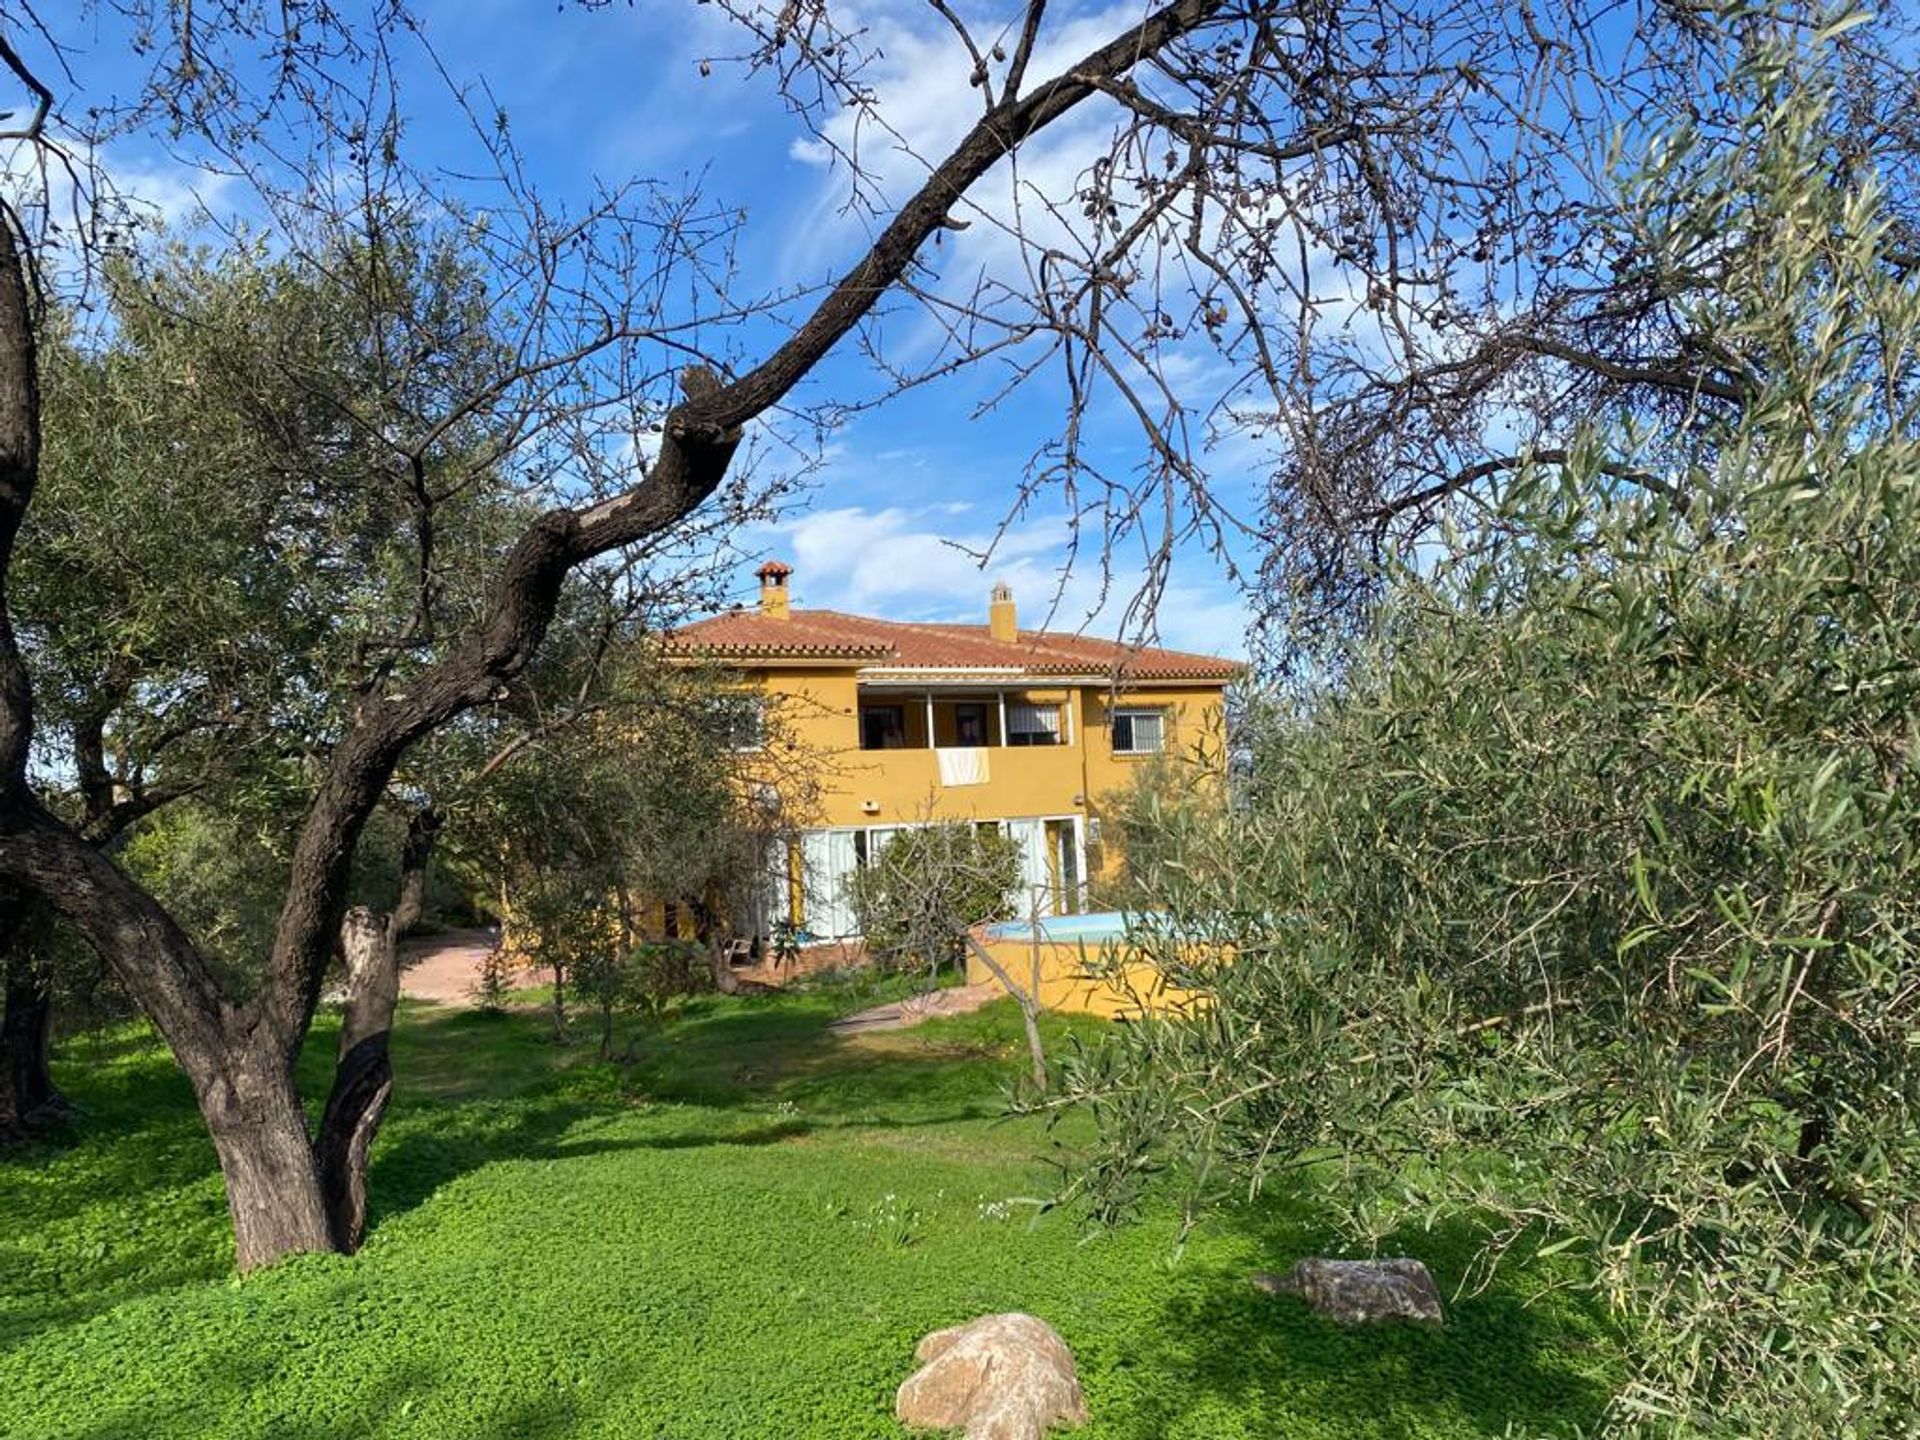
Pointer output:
x,y
1358,1292
1001,1377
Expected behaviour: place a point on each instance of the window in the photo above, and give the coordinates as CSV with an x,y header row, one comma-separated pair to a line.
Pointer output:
x,y
1139,732
868,844
969,725
740,721
883,727
1033,724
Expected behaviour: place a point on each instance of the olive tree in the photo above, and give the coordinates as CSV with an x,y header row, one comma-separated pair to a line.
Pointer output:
x,y
1580,900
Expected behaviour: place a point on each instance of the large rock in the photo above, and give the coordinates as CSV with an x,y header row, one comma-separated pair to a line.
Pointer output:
x,y
1001,1377
1356,1292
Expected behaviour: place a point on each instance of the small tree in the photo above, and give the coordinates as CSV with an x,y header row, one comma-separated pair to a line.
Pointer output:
x,y
928,886
590,826
920,901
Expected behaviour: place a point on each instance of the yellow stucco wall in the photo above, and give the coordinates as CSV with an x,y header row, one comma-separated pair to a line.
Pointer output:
x,y
815,722
1075,976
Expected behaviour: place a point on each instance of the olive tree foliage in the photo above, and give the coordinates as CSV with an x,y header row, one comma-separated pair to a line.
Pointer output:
x,y
1583,901
215,562
1171,810
181,660
591,829
928,885
1247,153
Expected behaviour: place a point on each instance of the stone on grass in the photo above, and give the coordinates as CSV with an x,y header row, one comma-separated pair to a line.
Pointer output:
x,y
1001,1377
1357,1292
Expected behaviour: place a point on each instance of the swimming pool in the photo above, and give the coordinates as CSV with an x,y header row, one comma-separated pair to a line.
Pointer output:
x,y
1100,926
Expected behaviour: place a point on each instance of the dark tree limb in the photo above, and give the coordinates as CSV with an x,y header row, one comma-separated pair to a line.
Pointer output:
x,y
28,1096
19,473
1466,479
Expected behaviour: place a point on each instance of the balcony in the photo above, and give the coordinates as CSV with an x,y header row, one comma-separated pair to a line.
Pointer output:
x,y
991,752
1012,719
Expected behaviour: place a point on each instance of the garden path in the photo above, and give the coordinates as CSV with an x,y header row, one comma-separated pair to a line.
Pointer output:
x,y
445,968
901,1014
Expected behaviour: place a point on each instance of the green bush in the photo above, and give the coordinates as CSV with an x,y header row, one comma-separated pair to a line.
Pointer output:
x,y
1585,902
918,896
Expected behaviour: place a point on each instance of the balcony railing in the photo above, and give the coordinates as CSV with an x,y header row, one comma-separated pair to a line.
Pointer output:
x,y
975,720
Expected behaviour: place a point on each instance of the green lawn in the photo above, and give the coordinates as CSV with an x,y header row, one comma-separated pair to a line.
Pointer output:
x,y
744,1238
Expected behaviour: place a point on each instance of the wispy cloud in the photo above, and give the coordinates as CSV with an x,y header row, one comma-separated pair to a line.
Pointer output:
x,y
926,563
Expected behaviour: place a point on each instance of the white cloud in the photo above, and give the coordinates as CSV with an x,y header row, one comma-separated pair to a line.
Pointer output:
x,y
916,564
179,196
152,190
923,104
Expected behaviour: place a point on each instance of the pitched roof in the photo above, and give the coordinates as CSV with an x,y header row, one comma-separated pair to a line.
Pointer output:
x,y
830,635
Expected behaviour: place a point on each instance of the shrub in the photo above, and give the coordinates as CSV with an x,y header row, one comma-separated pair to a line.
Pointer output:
x,y
1587,900
918,896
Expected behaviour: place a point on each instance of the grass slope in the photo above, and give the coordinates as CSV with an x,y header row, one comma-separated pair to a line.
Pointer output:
x,y
745,1239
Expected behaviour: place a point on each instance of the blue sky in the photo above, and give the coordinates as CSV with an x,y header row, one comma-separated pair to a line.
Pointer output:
x,y
914,488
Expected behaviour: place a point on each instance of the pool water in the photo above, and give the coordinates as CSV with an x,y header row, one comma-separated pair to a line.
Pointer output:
x,y
1100,926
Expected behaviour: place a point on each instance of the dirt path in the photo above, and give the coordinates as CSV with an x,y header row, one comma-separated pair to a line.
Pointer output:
x,y
901,1014
446,968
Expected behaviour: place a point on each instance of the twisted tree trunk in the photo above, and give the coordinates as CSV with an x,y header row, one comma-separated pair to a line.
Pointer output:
x,y
720,961
252,1108
363,1078
28,1096
27,1093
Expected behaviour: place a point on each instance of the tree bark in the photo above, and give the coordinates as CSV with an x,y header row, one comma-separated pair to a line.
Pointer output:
x,y
707,927
720,957
253,1111
27,1091
24,1028
19,475
559,1007
363,1076
28,1095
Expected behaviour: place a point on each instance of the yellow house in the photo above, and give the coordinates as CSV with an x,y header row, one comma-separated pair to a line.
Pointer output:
x,y
902,724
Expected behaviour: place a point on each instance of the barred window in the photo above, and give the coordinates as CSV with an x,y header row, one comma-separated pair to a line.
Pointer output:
x,y
1033,724
1139,732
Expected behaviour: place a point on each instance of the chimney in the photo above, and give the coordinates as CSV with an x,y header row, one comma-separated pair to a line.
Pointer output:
x,y
773,588
1001,622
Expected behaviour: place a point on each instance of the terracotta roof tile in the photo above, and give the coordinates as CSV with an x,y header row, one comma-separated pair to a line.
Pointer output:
x,y
828,634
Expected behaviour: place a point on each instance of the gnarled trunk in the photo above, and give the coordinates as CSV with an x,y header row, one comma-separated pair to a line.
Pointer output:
x,y
720,958
719,947
27,1093
259,1129
363,1076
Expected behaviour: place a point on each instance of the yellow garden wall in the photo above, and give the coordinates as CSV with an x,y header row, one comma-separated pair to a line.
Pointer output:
x,y
1067,985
